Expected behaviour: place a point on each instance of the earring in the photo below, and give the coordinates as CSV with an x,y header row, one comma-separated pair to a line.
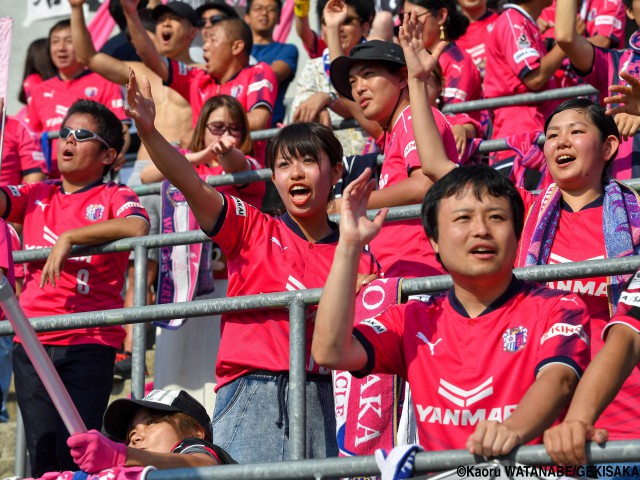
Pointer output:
x,y
443,35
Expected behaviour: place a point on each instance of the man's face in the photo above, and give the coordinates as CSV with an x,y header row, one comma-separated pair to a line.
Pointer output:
x,y
263,16
375,90
218,51
174,34
209,18
61,49
476,237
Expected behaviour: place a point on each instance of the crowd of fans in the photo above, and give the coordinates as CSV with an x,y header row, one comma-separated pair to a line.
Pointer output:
x,y
493,363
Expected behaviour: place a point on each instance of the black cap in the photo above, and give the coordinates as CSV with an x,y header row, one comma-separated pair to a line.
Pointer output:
x,y
228,10
377,50
181,9
119,414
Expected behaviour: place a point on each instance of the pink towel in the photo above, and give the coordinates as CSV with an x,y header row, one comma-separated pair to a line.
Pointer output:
x,y
101,26
114,473
368,409
281,32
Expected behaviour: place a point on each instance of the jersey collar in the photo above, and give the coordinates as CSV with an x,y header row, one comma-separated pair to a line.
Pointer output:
x,y
83,189
293,226
84,73
512,290
521,10
598,202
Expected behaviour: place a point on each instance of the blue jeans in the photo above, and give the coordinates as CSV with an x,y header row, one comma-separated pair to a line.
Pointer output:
x,y
6,345
87,373
248,421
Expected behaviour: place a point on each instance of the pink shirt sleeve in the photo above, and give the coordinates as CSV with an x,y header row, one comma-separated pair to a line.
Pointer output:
x,y
520,47
180,78
262,87
606,18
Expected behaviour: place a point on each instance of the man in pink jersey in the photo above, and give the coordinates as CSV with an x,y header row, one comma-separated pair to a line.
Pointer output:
x,y
601,383
485,373
78,210
51,99
373,79
518,62
227,51
481,21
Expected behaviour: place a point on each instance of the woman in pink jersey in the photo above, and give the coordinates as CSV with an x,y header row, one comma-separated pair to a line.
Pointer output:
x,y
264,254
583,215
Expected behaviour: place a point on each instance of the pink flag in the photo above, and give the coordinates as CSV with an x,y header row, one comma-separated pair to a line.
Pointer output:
x,y
6,25
101,26
281,33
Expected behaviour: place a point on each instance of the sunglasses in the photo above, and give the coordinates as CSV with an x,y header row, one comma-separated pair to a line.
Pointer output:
x,y
220,128
212,20
82,135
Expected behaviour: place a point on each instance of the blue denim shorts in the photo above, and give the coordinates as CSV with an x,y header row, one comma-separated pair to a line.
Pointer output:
x,y
250,420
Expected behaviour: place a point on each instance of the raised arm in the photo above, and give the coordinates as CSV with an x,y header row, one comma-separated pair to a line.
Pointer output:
x,y
205,202
579,50
333,344
600,383
105,65
141,41
433,157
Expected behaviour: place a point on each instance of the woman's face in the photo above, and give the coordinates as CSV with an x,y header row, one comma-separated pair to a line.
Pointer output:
x,y
304,183
147,434
431,23
575,152
220,123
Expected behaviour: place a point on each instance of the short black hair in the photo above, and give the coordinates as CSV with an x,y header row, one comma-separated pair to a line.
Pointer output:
x,y
594,113
61,25
107,124
483,180
304,139
237,29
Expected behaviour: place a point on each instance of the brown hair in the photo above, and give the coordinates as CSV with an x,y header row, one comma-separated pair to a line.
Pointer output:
x,y
238,115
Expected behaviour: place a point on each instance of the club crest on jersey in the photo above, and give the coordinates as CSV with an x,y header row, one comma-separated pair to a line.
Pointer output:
x,y
514,339
236,91
94,212
523,41
90,92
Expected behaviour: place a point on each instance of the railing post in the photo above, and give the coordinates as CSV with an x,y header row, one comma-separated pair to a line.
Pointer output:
x,y
20,463
297,380
139,329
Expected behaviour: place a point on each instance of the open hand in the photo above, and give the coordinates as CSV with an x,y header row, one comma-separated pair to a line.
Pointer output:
x,y
420,63
629,95
141,107
354,225
335,13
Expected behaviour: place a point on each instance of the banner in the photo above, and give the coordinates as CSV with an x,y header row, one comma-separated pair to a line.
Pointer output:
x,y
50,9
6,26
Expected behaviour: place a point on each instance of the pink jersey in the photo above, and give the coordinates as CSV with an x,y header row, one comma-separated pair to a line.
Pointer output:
x,y
416,257
513,50
605,71
31,82
463,370
52,98
254,86
16,245
606,18
20,154
619,417
462,81
252,193
265,255
87,283
475,38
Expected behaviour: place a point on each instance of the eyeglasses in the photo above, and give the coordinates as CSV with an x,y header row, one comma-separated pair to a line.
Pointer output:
x,y
82,135
402,14
213,19
220,128
263,9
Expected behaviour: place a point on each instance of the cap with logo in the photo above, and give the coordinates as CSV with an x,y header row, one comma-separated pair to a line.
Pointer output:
x,y
181,9
373,50
120,413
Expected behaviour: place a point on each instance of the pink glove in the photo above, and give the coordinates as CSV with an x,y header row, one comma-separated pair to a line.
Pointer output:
x,y
93,452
